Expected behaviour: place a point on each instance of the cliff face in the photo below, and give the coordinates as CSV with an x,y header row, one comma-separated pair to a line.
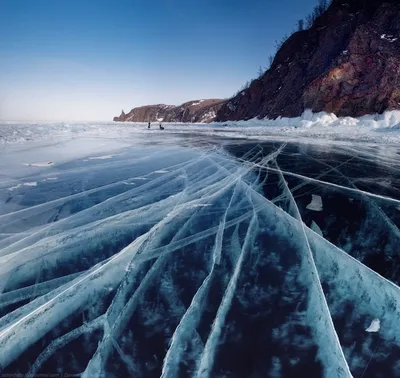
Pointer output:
x,y
347,63
203,111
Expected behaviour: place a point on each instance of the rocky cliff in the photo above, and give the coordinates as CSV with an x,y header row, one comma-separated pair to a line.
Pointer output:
x,y
203,111
347,63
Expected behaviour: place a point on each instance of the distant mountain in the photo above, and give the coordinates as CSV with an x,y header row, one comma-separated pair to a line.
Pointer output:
x,y
347,63
203,111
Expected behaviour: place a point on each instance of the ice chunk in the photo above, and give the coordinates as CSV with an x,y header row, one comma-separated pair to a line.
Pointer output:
x,y
316,228
315,204
374,326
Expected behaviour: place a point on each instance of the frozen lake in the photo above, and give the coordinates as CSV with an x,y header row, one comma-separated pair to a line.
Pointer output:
x,y
197,255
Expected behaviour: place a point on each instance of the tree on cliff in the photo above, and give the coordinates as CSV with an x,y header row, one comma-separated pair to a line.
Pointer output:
x,y
318,10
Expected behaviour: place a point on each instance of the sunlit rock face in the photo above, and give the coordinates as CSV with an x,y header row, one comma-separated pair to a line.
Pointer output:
x,y
346,63
199,111
201,258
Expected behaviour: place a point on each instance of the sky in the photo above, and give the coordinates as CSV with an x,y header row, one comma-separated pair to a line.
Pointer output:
x,y
85,60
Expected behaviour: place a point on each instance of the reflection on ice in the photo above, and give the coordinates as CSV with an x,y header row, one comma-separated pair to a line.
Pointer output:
x,y
205,263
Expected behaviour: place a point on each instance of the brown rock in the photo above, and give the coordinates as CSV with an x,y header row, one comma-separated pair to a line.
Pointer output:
x,y
348,63
198,111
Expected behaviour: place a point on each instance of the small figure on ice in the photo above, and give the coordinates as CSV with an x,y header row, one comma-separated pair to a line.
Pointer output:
x,y
148,126
161,127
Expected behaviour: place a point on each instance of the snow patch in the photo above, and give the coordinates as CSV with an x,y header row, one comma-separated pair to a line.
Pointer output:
x,y
208,117
197,103
315,204
104,157
389,38
374,326
44,164
231,107
32,183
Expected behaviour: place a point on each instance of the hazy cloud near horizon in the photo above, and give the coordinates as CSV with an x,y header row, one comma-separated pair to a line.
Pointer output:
x,y
70,60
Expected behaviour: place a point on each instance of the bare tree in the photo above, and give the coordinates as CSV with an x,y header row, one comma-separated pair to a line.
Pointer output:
x,y
318,10
309,20
245,86
321,7
300,25
260,72
279,44
271,60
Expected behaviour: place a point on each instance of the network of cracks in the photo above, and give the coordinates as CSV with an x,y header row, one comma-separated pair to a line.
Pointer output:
x,y
242,260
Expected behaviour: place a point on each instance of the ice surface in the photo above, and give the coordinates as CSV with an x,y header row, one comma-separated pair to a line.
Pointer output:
x,y
186,255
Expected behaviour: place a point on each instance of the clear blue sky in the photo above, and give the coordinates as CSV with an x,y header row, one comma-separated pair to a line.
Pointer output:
x,y
88,59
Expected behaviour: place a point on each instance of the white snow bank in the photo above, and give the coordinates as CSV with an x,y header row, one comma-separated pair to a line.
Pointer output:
x,y
375,128
308,119
374,326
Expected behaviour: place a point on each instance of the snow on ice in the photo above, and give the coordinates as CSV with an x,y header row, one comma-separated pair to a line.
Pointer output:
x,y
45,164
315,204
374,326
